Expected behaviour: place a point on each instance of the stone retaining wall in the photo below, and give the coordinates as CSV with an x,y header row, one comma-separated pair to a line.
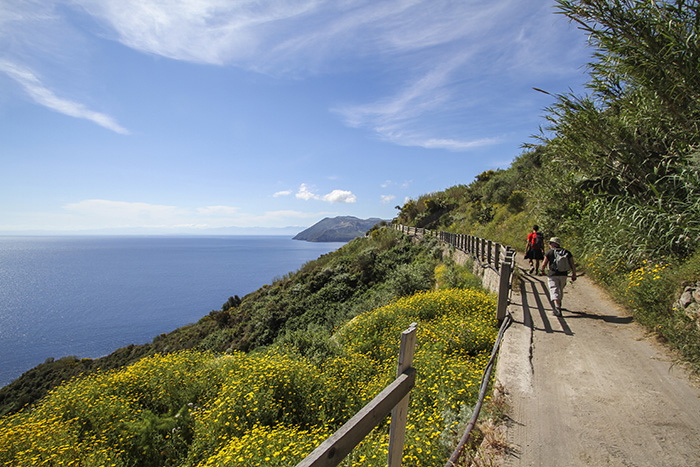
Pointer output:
x,y
689,301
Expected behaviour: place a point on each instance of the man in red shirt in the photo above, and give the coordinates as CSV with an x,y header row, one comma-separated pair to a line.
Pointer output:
x,y
534,250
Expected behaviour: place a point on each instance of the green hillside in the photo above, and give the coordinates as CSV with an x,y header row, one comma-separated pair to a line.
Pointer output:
x,y
614,173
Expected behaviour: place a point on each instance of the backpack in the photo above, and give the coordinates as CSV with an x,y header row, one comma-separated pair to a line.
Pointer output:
x,y
538,241
561,260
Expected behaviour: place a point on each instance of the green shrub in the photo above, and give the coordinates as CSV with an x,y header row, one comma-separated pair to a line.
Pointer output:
x,y
314,343
410,278
450,275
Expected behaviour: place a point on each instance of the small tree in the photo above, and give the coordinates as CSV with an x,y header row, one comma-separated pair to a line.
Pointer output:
x,y
232,302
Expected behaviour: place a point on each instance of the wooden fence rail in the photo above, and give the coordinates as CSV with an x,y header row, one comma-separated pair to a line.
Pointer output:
x,y
489,254
394,398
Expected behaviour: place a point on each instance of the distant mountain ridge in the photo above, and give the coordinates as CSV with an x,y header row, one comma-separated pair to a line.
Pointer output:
x,y
337,229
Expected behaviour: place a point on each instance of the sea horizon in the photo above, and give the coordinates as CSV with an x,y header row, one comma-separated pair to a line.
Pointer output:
x,y
148,231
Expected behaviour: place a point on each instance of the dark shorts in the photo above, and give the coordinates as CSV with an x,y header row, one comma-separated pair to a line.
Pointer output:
x,y
534,253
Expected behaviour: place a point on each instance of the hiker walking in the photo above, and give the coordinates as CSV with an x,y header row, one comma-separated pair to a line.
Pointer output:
x,y
534,250
560,262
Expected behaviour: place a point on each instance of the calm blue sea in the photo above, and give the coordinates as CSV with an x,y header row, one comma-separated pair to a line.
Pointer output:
x,y
88,296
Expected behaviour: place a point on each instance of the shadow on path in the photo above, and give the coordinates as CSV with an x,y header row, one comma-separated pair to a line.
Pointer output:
x,y
538,308
612,319
588,388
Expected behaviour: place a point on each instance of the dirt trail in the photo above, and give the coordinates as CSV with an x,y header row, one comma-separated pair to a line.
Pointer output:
x,y
590,388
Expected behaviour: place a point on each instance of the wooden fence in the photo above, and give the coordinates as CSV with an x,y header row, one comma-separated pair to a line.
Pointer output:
x,y
488,254
395,397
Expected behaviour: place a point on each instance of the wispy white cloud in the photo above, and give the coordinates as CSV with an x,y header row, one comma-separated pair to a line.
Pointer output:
x,y
389,183
282,193
42,95
455,145
426,53
274,34
108,214
219,210
401,118
386,199
203,31
125,214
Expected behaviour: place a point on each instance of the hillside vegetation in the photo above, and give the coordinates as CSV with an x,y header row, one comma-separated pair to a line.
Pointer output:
x,y
305,373
615,173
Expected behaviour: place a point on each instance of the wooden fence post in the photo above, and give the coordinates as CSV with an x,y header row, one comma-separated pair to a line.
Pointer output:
x,y
399,415
504,287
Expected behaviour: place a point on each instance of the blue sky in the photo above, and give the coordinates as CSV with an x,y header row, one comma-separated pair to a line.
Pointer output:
x,y
182,116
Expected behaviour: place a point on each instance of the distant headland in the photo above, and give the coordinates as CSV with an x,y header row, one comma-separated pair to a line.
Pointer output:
x,y
337,229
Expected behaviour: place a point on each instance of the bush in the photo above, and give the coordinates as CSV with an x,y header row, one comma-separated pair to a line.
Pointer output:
x,y
314,343
450,275
651,291
410,278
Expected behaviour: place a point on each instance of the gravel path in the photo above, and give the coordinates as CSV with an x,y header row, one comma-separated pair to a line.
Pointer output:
x,y
590,387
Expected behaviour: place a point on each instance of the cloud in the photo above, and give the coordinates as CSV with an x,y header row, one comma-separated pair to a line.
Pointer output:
x,y
282,193
401,118
219,210
285,34
125,214
290,214
107,214
305,194
335,196
456,145
339,196
427,55
386,199
205,31
390,183
42,95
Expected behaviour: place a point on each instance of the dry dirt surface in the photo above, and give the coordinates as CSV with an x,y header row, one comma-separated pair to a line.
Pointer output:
x,y
591,387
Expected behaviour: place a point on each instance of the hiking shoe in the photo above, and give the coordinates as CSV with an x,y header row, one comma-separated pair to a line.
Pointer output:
x,y
557,311
531,270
